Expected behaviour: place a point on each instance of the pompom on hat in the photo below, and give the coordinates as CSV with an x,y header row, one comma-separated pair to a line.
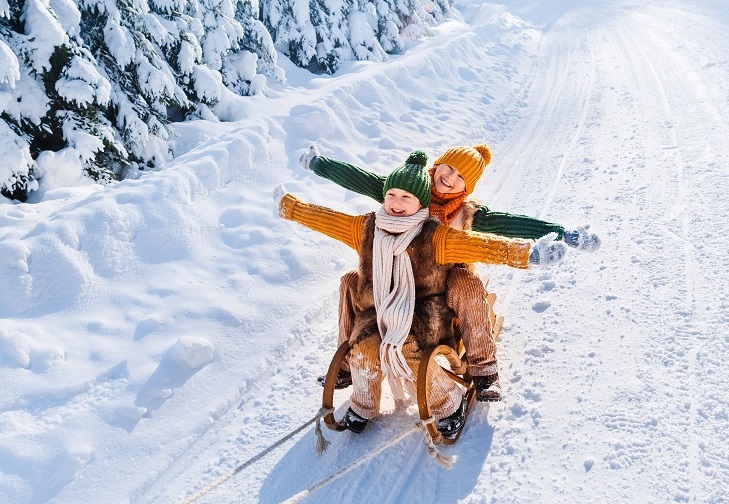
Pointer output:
x,y
411,177
469,161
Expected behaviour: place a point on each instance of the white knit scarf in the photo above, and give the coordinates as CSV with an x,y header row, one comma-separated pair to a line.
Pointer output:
x,y
393,285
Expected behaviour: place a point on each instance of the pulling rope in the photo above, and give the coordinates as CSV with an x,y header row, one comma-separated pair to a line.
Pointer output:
x,y
446,461
305,493
322,411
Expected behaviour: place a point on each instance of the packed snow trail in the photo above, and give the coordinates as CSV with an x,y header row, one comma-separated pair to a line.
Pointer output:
x,y
607,134
635,138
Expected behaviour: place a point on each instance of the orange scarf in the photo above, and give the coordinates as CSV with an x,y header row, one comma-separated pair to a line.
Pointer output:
x,y
444,207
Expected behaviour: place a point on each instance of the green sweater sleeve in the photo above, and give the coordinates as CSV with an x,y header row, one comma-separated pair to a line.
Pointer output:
x,y
513,225
350,177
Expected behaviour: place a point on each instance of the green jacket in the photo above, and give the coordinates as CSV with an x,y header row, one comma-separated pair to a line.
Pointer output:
x,y
369,184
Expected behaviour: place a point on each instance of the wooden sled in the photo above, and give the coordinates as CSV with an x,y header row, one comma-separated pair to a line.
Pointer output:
x,y
456,370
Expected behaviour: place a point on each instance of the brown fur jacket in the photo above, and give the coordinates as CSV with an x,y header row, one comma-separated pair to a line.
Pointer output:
x,y
468,211
433,320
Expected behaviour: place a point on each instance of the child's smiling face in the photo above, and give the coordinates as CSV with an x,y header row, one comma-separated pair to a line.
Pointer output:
x,y
399,203
448,180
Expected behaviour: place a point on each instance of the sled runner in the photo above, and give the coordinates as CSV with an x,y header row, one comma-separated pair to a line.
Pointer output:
x,y
456,369
331,378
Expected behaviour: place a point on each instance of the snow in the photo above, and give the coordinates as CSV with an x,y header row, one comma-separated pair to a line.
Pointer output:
x,y
158,333
118,38
83,84
45,31
68,15
13,150
10,68
208,84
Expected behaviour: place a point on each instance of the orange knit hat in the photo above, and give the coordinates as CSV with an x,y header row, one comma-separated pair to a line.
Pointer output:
x,y
469,161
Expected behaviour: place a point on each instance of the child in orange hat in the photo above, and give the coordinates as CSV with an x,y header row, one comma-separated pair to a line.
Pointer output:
x,y
453,175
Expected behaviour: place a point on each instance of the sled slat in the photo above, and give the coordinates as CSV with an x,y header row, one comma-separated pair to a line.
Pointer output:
x,y
490,300
496,328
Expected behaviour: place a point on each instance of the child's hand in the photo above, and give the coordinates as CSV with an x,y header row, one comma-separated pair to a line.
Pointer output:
x,y
582,239
308,156
278,192
547,251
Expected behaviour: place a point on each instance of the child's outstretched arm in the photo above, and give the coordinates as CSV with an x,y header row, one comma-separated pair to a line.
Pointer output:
x,y
453,246
340,226
523,226
369,184
346,175
513,225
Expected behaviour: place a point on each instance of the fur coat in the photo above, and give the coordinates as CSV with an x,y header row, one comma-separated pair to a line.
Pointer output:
x,y
433,320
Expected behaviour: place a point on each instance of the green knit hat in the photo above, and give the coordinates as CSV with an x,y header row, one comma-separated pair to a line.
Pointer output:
x,y
411,177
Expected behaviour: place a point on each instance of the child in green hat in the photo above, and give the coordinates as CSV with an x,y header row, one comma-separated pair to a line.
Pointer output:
x,y
398,302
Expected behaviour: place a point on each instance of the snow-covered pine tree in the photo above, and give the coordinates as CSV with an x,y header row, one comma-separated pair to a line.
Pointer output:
x,y
125,38
256,40
331,25
312,33
320,34
16,169
57,102
373,34
105,77
408,19
225,49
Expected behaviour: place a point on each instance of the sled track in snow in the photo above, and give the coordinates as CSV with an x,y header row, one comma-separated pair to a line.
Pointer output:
x,y
579,128
539,131
544,118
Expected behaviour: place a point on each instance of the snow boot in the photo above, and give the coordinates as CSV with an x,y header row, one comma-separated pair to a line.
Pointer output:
x,y
488,388
354,422
451,426
344,380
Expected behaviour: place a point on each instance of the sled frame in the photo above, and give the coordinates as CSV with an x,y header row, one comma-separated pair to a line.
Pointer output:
x,y
327,400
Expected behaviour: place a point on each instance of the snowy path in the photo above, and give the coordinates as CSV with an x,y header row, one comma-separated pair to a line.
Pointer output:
x,y
632,150
624,124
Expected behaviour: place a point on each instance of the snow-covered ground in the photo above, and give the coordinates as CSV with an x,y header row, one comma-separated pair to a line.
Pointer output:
x,y
159,333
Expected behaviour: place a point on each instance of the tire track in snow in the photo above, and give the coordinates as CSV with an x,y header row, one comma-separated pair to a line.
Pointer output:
x,y
544,120
687,81
688,262
678,102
